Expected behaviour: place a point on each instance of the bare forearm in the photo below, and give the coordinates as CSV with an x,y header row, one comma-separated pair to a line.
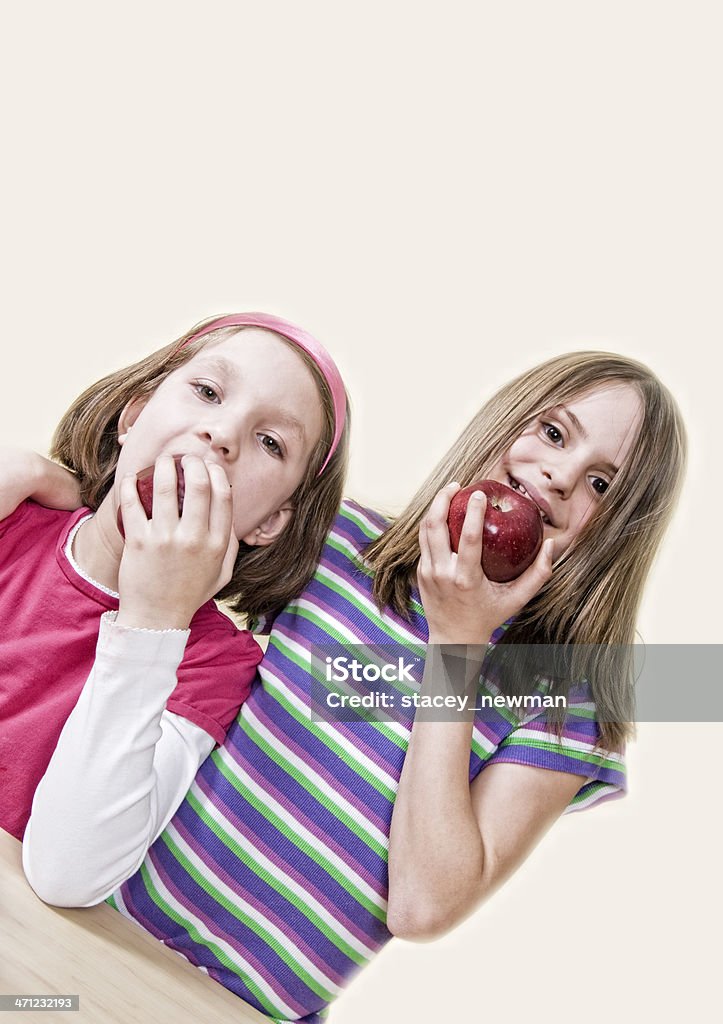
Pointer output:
x,y
435,848
436,853
54,486
25,474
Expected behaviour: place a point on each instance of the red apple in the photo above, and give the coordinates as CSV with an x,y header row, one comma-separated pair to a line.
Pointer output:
x,y
145,490
512,530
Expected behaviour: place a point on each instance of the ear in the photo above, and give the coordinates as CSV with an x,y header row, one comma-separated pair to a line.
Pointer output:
x,y
267,532
129,415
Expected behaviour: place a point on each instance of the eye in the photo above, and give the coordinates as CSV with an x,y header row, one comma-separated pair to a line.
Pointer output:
x,y
599,485
207,392
271,445
552,433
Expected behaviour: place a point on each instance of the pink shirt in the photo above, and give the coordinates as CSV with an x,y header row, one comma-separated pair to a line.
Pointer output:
x,y
49,620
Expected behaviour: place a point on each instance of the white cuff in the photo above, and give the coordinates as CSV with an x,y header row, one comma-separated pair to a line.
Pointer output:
x,y
138,643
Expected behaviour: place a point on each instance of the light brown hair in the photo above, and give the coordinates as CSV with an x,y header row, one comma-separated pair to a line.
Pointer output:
x,y
264,578
596,587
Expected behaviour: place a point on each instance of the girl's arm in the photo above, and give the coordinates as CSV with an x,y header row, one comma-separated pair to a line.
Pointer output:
x,y
452,843
121,766
25,474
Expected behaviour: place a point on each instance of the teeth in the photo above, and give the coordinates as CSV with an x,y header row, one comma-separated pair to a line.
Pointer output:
x,y
518,487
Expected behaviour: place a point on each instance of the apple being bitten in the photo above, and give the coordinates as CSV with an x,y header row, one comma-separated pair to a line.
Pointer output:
x,y
144,485
512,530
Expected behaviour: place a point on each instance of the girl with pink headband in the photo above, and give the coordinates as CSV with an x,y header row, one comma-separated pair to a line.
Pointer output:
x,y
118,673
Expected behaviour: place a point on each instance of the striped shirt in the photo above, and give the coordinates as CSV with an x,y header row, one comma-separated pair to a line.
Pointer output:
x,y
272,876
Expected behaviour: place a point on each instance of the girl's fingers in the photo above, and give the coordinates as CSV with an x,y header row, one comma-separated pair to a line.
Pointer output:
x,y
197,497
229,560
534,577
424,568
469,555
132,513
220,516
435,523
165,490
423,542
542,565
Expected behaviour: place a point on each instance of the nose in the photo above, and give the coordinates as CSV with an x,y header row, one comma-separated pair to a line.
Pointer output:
x,y
221,435
561,473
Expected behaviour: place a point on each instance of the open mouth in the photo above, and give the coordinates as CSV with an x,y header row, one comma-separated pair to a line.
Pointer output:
x,y
516,486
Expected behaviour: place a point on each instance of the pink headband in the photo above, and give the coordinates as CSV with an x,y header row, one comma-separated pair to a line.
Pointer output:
x,y
308,344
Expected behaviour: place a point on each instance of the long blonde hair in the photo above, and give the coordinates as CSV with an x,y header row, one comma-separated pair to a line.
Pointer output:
x,y
595,590
264,578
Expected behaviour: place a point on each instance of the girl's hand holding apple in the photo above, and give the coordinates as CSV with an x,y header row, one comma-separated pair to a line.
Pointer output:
x,y
461,604
174,562
511,532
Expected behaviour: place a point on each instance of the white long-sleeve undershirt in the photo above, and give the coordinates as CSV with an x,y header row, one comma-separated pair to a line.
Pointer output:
x,y
122,766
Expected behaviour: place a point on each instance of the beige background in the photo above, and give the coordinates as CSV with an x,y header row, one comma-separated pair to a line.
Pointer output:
x,y
445,194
